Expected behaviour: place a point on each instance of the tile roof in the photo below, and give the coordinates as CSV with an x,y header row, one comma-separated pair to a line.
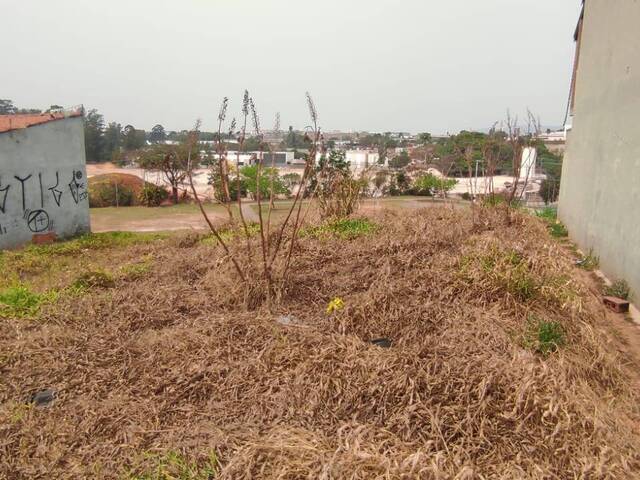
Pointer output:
x,y
14,122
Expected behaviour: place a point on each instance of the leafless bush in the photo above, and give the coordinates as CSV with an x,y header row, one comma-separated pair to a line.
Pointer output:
x,y
277,248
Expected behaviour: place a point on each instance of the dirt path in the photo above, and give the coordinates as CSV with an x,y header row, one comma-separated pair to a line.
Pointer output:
x,y
625,328
182,221
249,214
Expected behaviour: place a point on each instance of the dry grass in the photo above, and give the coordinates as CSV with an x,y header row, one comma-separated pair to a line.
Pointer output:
x,y
169,365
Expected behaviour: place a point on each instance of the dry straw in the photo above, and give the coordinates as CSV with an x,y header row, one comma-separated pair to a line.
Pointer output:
x,y
174,362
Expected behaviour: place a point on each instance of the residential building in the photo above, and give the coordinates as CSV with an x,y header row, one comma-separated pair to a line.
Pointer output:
x,y
600,189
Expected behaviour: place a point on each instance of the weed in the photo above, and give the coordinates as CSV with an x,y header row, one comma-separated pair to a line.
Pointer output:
x,y
589,262
94,278
95,241
558,230
506,269
550,214
544,336
231,233
138,270
34,259
346,228
335,305
174,466
19,301
619,289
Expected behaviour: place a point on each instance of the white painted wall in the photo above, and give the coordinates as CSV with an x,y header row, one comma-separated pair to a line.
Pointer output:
x,y
528,163
43,182
600,189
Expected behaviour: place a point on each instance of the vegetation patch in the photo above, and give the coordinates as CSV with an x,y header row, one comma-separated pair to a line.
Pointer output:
x,y
229,234
589,262
94,279
346,229
175,466
137,270
507,270
619,288
543,336
550,216
19,301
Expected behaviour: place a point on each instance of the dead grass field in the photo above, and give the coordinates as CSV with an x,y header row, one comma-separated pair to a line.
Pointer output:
x,y
503,363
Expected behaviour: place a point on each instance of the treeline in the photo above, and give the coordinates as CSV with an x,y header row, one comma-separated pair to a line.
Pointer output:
x,y
456,154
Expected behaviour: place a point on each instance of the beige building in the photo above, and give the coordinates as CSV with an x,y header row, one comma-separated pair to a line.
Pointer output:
x,y
600,191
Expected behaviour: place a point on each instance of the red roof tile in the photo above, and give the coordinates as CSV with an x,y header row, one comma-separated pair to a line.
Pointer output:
x,y
14,122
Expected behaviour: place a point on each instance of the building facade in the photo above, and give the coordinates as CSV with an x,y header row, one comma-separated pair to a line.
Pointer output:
x,y
43,178
600,189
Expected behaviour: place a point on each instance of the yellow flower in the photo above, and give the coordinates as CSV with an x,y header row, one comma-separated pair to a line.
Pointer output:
x,y
335,305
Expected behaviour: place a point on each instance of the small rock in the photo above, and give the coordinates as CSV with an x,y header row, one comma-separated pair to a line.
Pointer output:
x,y
43,398
382,342
286,320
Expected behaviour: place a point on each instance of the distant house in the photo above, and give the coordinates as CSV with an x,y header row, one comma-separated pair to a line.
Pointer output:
x,y
43,179
600,190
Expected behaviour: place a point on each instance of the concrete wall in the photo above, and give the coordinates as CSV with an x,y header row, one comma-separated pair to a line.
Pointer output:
x,y
600,191
43,182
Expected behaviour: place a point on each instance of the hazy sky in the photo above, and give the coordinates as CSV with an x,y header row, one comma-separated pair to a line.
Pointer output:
x,y
379,65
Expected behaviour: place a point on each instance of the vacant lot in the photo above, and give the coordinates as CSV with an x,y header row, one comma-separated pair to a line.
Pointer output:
x,y
501,362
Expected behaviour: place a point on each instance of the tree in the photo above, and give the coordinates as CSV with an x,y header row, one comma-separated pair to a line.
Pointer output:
x,y
380,182
252,144
401,160
424,138
133,139
7,107
54,108
267,175
157,134
293,139
172,161
550,189
215,180
429,185
93,136
112,141
291,180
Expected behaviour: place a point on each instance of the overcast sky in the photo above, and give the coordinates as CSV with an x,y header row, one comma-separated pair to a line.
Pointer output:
x,y
378,65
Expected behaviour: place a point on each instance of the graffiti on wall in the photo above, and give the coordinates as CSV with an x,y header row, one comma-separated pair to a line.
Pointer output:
x,y
30,193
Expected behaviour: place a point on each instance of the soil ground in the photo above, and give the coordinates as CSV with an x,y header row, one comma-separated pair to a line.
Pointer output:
x,y
188,216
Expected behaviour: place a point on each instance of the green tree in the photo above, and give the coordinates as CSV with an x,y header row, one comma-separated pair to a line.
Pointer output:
x,y
252,144
291,180
429,185
54,108
112,141
133,139
250,175
172,161
216,182
7,107
293,139
157,134
94,136
400,161
424,138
